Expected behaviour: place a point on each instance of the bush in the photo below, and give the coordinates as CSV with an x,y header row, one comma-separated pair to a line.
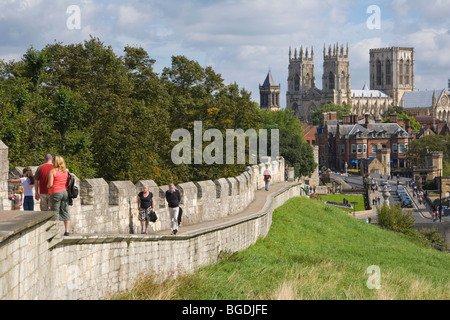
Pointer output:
x,y
434,237
394,218
430,236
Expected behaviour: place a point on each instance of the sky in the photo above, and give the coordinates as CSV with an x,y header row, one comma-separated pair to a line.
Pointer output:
x,y
240,39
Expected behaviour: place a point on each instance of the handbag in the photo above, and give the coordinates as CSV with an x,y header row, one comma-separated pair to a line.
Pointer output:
x,y
180,213
153,216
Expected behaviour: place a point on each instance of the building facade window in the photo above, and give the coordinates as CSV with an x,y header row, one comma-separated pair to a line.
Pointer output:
x,y
394,148
296,83
331,81
388,72
343,148
374,148
401,148
353,148
364,148
360,148
400,72
407,72
378,73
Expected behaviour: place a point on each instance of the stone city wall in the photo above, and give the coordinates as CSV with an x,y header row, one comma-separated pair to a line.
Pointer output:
x,y
36,264
112,208
104,253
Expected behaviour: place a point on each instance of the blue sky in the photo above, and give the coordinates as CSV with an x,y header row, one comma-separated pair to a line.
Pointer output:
x,y
241,39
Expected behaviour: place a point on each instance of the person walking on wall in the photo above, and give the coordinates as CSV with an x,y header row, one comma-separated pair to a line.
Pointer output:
x,y
145,205
286,173
173,199
57,189
27,181
267,178
40,184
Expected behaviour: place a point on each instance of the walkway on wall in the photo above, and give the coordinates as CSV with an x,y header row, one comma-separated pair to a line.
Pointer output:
x,y
254,207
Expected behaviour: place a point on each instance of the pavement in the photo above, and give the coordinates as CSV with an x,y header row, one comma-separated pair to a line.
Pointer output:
x,y
421,212
254,207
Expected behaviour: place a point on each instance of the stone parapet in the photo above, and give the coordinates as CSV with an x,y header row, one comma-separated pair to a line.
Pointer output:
x,y
91,266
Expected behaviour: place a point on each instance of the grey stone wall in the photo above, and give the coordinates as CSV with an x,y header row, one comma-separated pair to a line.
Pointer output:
x,y
33,265
102,208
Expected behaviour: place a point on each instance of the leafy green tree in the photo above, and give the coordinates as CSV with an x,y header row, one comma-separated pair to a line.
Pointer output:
x,y
418,149
293,147
415,126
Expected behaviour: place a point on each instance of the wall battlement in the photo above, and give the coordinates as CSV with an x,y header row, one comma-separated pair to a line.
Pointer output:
x,y
112,208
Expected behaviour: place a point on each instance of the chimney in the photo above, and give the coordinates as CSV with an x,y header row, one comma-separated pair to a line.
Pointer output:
x,y
344,119
393,118
366,116
333,115
408,125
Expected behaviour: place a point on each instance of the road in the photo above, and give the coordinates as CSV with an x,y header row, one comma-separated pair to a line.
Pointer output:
x,y
422,213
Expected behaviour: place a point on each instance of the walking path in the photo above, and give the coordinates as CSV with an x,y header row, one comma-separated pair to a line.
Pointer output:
x,y
261,197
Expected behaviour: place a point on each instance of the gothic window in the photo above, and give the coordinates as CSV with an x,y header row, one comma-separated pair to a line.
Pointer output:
x,y
342,80
296,83
407,72
331,81
388,72
400,72
378,73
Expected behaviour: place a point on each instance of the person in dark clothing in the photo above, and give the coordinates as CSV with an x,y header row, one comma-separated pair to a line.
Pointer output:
x,y
145,205
173,199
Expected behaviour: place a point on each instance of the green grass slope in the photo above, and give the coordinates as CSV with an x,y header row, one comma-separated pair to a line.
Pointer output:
x,y
314,251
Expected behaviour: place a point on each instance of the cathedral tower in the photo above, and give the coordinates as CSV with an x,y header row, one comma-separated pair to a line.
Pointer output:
x,y
269,94
392,70
300,76
336,74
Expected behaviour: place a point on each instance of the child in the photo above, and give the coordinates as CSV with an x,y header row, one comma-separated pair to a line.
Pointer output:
x,y
17,197
27,181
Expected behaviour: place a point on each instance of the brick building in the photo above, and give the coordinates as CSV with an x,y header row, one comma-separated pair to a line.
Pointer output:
x,y
351,140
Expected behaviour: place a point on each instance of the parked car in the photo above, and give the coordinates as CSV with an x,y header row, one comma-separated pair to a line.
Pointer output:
x,y
401,193
407,203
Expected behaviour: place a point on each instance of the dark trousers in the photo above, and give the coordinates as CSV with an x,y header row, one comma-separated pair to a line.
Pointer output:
x,y
28,203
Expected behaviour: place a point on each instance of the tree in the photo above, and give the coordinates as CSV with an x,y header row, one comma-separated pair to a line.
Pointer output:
x,y
419,148
293,147
415,126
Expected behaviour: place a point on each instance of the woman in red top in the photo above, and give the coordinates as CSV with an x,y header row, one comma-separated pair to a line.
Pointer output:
x,y
57,189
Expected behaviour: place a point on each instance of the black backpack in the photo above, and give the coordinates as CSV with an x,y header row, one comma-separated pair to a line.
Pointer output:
x,y
72,189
